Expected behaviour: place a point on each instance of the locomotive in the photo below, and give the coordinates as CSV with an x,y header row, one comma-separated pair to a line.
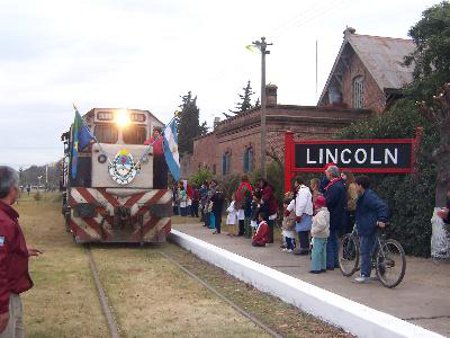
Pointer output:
x,y
117,194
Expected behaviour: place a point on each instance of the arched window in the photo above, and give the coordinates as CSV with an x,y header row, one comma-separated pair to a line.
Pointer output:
x,y
226,159
248,159
358,92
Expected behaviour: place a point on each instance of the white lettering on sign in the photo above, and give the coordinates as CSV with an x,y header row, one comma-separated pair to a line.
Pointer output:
x,y
372,157
394,158
343,160
330,157
357,157
308,160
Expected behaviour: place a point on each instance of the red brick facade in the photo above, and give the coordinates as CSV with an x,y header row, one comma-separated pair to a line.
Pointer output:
x,y
368,72
235,135
373,97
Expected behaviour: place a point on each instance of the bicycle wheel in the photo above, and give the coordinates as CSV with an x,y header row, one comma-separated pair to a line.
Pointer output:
x,y
390,263
348,255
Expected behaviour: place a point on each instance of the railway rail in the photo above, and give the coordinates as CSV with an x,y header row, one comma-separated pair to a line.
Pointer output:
x,y
108,310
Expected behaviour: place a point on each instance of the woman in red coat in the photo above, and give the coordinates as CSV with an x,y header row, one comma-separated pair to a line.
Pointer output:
x,y
269,205
261,236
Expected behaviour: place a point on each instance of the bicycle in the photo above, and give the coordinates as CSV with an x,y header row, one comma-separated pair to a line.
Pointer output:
x,y
388,258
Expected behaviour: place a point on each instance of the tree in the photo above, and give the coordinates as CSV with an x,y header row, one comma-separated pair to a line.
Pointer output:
x,y
204,128
431,59
245,103
189,126
439,115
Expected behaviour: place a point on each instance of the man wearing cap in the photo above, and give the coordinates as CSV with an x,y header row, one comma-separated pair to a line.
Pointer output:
x,y
336,200
14,254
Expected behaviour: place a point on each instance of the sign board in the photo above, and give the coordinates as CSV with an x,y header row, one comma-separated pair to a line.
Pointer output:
x,y
395,156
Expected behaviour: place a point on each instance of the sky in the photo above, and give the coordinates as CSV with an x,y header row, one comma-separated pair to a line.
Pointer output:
x,y
145,54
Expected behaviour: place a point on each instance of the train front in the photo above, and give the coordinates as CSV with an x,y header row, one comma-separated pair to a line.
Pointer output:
x,y
119,192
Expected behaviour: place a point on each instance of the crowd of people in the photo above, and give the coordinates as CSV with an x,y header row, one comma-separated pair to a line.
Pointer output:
x,y
313,217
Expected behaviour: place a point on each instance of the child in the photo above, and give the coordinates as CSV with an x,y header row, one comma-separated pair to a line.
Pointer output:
x,y
232,213
255,210
314,185
320,231
183,201
288,224
261,236
212,218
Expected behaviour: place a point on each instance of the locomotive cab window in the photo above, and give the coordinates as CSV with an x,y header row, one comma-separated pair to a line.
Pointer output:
x,y
134,134
106,133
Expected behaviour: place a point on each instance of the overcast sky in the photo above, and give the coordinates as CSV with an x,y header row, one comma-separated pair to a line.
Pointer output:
x,y
146,53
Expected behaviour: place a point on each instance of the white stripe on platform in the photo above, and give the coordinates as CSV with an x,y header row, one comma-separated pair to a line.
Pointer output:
x,y
354,317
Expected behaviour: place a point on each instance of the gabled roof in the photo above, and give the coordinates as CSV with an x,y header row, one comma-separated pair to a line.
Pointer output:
x,y
382,56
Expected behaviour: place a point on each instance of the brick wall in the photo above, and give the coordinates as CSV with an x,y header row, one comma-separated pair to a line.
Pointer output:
x,y
237,134
374,98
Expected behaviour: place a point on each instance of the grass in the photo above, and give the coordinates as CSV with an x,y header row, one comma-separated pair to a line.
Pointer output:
x,y
63,302
281,317
150,296
153,298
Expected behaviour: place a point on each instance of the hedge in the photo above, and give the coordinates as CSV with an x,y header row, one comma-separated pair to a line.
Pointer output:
x,y
410,197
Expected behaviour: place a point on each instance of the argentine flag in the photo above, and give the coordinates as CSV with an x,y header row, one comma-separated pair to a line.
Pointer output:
x,y
170,147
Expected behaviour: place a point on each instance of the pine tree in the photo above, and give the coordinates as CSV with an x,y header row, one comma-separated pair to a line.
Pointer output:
x,y
189,126
245,103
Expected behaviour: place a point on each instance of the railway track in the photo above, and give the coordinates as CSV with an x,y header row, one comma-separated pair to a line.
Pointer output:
x,y
109,314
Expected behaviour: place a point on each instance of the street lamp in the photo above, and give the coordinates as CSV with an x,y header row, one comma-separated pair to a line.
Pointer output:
x,y
262,46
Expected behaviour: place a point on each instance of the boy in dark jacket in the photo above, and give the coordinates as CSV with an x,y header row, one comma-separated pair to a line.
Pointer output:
x,y
371,213
218,200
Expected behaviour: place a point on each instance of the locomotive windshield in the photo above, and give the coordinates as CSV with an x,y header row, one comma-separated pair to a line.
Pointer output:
x,y
106,133
134,134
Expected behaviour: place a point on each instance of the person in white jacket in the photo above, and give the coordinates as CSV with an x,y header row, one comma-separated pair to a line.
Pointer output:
x,y
232,215
303,215
320,231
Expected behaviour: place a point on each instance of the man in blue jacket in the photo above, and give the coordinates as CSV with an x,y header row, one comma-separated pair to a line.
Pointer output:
x,y
336,198
371,213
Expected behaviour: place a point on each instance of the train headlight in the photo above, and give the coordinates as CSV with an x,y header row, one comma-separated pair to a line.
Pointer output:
x,y
122,118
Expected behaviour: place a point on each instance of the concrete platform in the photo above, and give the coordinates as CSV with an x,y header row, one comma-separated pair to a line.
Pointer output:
x,y
423,298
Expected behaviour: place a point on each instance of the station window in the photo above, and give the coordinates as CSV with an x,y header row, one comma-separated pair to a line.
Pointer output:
x,y
358,92
226,159
248,159
106,133
134,134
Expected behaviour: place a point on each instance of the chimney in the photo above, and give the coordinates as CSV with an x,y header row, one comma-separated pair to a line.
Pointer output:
x,y
271,95
349,31
216,122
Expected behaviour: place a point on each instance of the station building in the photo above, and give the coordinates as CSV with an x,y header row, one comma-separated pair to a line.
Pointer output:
x,y
367,76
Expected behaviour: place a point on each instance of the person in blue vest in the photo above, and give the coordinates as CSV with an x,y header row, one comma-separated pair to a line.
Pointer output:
x,y
371,214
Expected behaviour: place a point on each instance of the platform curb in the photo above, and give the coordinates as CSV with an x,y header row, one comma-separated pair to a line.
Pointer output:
x,y
351,316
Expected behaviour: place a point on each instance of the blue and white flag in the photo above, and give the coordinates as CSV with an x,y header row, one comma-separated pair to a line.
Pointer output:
x,y
170,147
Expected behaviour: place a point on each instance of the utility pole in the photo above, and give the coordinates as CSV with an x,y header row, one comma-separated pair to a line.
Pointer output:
x,y
262,46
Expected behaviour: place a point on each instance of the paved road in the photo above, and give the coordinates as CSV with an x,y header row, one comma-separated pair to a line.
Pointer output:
x,y
423,298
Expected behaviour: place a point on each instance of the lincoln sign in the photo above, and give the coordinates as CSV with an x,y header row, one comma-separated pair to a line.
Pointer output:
x,y
360,156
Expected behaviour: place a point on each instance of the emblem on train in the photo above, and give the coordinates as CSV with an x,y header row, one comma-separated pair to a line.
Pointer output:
x,y
122,169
